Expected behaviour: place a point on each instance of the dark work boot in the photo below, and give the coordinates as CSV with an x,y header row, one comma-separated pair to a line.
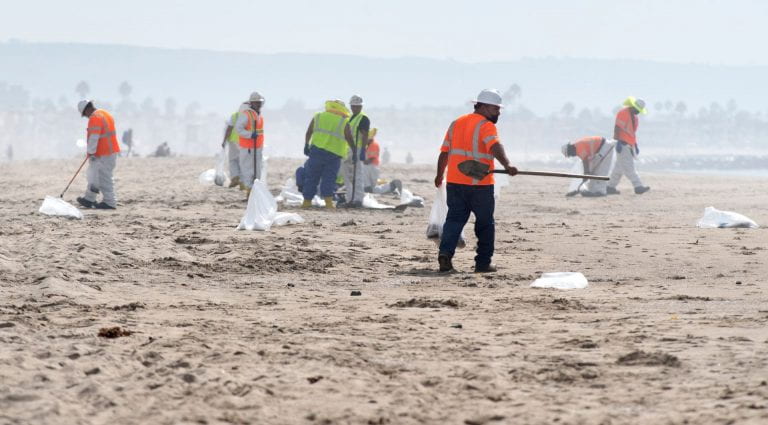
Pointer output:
x,y
104,206
445,262
612,191
485,268
84,202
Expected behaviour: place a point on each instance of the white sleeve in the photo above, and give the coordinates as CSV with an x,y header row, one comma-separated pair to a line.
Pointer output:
x,y
93,142
242,121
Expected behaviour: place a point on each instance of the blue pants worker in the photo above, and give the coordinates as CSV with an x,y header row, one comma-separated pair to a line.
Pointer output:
x,y
463,200
321,168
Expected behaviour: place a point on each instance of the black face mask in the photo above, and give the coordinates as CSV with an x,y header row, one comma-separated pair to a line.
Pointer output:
x,y
494,119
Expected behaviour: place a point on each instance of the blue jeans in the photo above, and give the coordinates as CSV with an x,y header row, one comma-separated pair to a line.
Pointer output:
x,y
462,200
322,167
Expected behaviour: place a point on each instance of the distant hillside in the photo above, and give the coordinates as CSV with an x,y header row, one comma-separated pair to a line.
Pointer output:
x,y
218,80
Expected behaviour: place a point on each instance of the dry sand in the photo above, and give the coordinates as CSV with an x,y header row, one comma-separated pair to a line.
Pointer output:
x,y
251,327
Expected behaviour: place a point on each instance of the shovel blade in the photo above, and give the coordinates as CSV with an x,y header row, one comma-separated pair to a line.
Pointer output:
x,y
475,169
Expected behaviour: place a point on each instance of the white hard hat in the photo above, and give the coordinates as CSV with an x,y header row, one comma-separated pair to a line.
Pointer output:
x,y
489,97
565,149
256,97
82,104
355,100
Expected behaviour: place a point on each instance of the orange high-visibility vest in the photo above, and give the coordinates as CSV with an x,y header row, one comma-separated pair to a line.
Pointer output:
x,y
254,121
101,122
627,124
471,136
372,152
588,147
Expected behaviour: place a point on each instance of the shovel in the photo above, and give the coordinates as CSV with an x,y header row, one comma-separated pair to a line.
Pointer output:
x,y
58,206
478,170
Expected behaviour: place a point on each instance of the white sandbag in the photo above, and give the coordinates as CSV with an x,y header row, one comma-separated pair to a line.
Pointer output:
x,y
408,198
437,217
283,218
58,207
561,280
207,176
290,195
261,212
370,201
714,218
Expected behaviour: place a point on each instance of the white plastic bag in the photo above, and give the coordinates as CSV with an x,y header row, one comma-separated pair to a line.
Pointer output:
x,y
221,175
437,217
408,198
714,218
207,176
261,212
370,201
561,280
290,195
58,207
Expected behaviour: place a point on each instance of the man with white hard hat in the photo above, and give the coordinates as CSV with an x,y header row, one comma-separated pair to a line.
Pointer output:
x,y
102,151
232,142
250,128
471,137
625,133
352,166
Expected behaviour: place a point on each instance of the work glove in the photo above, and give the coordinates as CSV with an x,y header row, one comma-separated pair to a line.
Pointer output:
x,y
362,154
306,150
637,150
619,146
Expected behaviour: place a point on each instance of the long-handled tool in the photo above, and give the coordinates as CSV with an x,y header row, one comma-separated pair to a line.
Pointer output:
x,y
479,170
73,177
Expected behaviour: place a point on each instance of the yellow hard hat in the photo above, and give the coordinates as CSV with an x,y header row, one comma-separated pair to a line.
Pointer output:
x,y
337,107
638,104
372,133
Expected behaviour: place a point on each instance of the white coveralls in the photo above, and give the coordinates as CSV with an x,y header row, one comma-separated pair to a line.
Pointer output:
x,y
348,167
600,165
246,155
99,174
625,165
233,149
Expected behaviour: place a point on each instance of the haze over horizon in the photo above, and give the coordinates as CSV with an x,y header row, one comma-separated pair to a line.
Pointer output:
x,y
684,31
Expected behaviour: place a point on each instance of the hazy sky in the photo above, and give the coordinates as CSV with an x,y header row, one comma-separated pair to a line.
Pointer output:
x,y
703,31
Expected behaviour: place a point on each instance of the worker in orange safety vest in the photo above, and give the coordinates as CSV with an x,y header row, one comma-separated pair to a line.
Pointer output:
x,y
250,128
596,154
625,133
372,172
102,152
471,137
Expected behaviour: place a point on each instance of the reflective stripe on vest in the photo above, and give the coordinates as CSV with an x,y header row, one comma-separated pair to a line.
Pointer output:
x,y
255,125
475,153
107,143
353,124
328,133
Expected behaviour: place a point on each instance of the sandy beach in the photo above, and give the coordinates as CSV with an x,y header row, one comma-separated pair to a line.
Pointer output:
x,y
245,327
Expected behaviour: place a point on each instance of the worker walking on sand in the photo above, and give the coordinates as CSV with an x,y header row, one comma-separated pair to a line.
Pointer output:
x,y
360,124
250,129
625,133
595,153
328,140
233,149
471,137
102,152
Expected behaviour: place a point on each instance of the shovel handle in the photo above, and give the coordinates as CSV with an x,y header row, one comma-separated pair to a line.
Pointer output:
x,y
551,174
73,177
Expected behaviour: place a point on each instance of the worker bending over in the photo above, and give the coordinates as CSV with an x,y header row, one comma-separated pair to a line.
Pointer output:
x,y
328,140
102,151
595,153
625,133
471,137
372,172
